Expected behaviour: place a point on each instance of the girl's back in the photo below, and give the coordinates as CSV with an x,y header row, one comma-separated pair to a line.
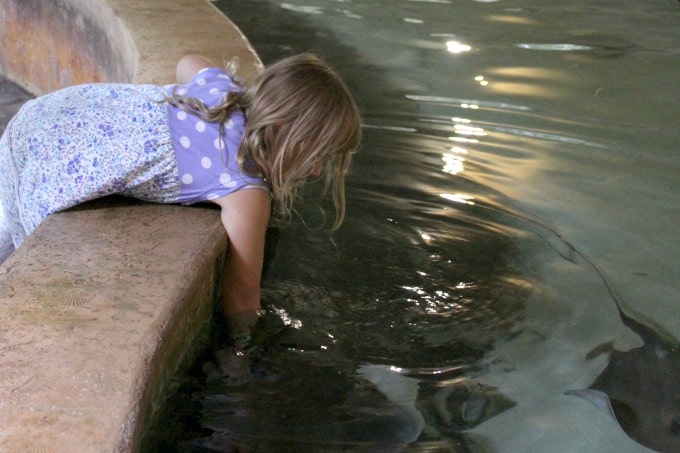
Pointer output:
x,y
85,142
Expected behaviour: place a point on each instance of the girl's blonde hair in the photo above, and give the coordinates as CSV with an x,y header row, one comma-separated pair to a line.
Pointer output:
x,y
300,117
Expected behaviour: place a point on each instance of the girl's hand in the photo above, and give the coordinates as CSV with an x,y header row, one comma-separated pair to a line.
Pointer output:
x,y
240,325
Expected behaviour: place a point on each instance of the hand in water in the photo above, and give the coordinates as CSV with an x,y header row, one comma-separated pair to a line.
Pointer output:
x,y
233,360
234,365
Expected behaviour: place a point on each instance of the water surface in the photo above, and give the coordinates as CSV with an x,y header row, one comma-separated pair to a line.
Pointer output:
x,y
507,277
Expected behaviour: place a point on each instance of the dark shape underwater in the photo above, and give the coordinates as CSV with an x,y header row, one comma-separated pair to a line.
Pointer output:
x,y
640,388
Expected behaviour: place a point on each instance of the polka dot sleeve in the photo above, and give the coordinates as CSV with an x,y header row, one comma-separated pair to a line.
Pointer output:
x,y
206,161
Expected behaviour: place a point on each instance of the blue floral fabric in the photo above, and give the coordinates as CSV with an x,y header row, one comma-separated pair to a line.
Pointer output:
x,y
206,161
85,142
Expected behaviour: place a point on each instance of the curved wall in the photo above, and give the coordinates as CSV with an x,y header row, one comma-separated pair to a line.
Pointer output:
x,y
103,303
48,45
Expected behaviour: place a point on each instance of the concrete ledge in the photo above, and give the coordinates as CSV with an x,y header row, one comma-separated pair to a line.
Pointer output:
x,y
99,307
95,320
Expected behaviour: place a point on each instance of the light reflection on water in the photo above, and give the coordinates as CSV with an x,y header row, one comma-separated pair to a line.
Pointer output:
x,y
454,305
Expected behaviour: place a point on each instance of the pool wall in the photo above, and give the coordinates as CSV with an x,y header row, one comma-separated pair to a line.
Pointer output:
x,y
103,303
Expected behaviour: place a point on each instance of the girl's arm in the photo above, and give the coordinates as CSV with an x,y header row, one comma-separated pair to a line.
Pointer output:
x,y
245,216
189,65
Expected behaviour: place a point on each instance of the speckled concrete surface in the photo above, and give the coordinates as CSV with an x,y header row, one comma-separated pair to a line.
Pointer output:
x,y
94,321
100,305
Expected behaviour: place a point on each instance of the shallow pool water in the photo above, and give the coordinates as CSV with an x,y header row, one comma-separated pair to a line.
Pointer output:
x,y
507,276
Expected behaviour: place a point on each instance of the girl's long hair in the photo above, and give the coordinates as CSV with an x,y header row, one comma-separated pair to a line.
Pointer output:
x,y
300,117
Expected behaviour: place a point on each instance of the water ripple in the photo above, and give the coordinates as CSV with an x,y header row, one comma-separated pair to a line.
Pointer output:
x,y
546,136
554,47
468,102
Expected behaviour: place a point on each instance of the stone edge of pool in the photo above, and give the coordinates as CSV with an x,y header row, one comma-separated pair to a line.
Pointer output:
x,y
102,304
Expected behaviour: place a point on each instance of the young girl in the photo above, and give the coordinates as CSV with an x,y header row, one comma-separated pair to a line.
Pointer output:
x,y
210,138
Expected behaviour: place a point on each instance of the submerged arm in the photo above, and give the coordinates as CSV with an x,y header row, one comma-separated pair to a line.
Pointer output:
x,y
245,215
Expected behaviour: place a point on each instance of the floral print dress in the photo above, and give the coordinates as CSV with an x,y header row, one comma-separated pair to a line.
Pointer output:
x,y
81,143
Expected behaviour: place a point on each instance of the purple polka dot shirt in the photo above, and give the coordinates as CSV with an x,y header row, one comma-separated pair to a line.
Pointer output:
x,y
206,163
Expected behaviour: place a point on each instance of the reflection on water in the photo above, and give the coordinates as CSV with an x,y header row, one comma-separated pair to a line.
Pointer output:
x,y
480,293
